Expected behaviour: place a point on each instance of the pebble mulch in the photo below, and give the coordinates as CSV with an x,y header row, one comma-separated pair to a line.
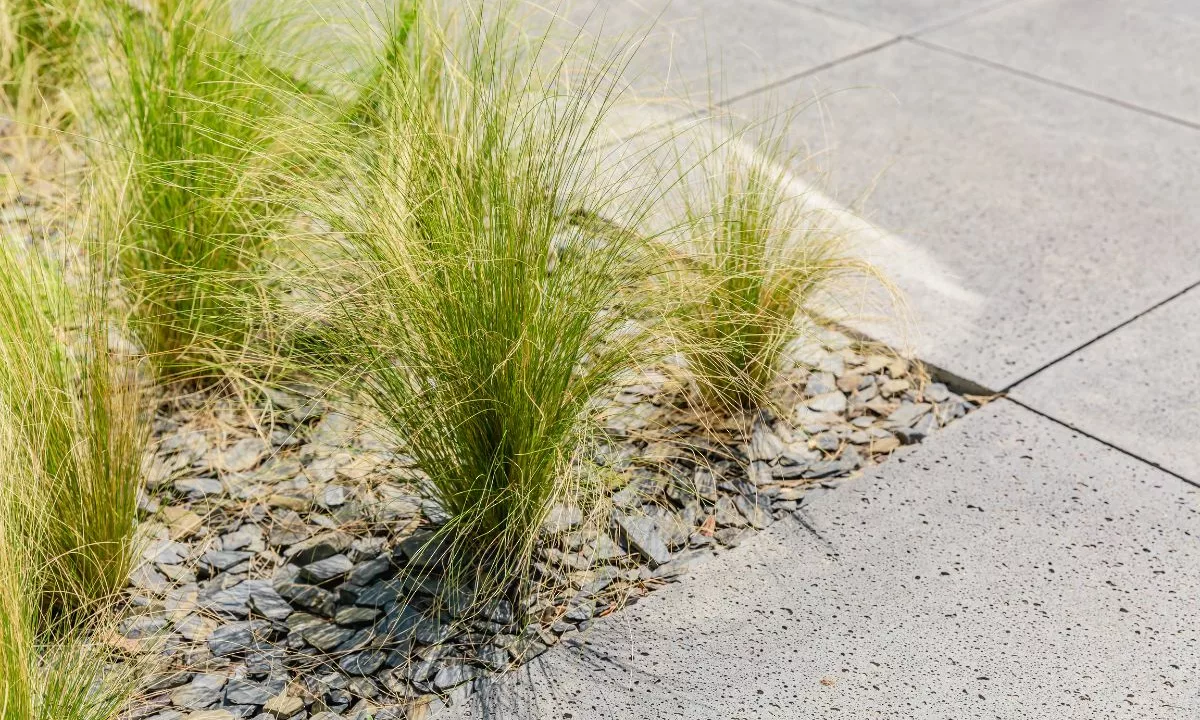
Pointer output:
x,y
283,543
286,543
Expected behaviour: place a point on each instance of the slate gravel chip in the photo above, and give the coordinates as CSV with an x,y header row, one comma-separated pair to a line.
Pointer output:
x,y
237,637
643,535
322,571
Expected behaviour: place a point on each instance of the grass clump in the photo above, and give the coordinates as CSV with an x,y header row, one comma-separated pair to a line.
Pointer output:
x,y
759,265
187,130
51,667
474,312
74,409
40,44
71,443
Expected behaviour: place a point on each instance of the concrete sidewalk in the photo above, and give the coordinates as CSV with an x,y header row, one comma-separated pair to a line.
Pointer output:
x,y
1041,557
1007,568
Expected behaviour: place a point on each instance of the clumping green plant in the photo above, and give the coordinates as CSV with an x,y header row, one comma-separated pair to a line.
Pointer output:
x,y
188,138
757,262
39,47
471,308
74,405
51,666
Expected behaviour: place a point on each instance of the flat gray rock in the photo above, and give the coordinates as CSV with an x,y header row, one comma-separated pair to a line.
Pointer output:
x,y
233,600
319,547
430,631
199,486
380,594
243,455
423,549
237,637
643,535
145,577
756,510
452,675
203,691
1006,568
225,559
362,663
1138,388
309,597
269,603
325,570
561,519
367,570
248,692
327,636
350,615
832,402
167,552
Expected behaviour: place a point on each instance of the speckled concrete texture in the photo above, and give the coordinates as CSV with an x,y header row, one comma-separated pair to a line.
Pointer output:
x,y
1142,52
1052,215
1137,388
902,16
715,49
1008,568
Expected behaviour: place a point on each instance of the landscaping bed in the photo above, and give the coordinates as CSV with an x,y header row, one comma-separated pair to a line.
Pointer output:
x,y
321,403
279,571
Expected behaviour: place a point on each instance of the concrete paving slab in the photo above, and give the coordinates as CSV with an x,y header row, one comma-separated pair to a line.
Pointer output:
x,y
902,16
1007,568
694,46
1143,53
1138,388
1037,218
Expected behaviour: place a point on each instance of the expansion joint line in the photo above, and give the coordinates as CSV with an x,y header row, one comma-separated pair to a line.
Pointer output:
x,y
775,84
1101,336
1052,83
1106,443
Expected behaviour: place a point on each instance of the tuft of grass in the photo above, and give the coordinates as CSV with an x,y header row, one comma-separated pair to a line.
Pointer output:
x,y
74,406
466,301
759,266
188,144
40,43
51,668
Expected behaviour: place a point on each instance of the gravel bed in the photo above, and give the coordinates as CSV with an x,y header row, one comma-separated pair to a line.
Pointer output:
x,y
281,543
286,567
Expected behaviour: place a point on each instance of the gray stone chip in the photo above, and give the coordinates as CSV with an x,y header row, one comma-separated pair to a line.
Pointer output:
x,y
237,637
234,600
247,692
907,414
199,487
202,692
644,536
366,571
326,636
561,519
319,547
380,594
330,568
362,663
831,402
453,675
309,597
269,603
225,559
757,511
